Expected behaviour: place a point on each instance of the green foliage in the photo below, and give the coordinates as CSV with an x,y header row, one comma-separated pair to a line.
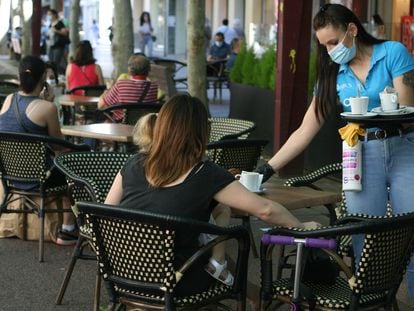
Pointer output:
x,y
265,77
236,71
312,72
247,69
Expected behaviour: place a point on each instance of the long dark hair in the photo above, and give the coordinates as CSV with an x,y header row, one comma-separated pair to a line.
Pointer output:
x,y
338,16
84,54
31,70
179,139
141,19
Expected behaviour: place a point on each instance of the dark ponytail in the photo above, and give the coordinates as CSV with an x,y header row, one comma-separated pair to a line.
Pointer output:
x,y
31,70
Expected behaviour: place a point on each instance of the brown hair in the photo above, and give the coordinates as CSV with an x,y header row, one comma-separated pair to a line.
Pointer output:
x,y
144,131
179,142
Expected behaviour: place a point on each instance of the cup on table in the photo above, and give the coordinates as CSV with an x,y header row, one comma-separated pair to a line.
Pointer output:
x,y
251,180
389,101
359,105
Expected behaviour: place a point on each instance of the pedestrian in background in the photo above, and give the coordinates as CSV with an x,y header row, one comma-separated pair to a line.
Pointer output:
x,y
145,30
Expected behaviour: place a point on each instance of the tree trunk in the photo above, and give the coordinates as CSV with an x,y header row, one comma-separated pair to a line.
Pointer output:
x,y
123,41
74,27
196,50
36,25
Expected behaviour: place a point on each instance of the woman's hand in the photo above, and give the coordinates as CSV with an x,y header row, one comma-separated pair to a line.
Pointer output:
x,y
47,93
309,225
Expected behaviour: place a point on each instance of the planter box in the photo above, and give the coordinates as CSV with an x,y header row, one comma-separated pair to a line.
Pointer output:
x,y
254,104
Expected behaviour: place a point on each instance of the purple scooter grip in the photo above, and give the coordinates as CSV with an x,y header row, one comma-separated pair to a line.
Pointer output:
x,y
288,240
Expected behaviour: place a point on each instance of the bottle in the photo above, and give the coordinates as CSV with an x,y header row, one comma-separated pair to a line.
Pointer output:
x,y
351,167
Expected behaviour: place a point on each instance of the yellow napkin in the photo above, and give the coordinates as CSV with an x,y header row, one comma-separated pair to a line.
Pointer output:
x,y
350,133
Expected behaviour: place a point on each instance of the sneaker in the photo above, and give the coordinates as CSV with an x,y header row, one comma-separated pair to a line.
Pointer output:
x,y
67,238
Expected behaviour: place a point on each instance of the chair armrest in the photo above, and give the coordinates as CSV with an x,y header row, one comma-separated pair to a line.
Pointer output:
x,y
316,175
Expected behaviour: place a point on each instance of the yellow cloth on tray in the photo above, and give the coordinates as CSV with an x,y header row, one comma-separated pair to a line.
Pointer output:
x,y
350,133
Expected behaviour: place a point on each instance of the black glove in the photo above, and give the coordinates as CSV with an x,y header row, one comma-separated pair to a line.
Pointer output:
x,y
266,170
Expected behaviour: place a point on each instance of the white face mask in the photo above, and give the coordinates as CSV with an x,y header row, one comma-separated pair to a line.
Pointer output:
x,y
218,43
341,54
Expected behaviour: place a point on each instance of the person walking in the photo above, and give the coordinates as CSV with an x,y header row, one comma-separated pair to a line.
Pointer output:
x,y
228,32
145,31
57,39
348,59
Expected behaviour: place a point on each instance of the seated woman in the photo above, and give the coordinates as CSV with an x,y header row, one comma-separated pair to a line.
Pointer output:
x,y
36,114
172,178
83,70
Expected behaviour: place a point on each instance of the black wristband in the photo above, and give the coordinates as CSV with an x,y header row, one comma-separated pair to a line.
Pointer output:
x,y
266,170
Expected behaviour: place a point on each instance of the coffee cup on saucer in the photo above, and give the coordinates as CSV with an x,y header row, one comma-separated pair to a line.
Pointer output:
x,y
251,180
359,105
389,101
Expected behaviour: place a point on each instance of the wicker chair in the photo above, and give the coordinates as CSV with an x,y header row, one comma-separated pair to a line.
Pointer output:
x,y
90,176
132,112
88,90
229,128
240,154
136,258
388,246
6,88
26,158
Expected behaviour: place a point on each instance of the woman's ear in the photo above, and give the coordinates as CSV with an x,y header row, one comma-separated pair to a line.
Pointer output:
x,y
353,29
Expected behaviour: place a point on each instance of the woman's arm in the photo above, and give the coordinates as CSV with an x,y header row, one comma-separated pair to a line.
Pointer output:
x,y
115,193
298,140
238,197
67,75
404,85
98,72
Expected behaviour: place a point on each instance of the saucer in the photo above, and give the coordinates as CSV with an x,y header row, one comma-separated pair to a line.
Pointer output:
x,y
260,191
401,110
358,116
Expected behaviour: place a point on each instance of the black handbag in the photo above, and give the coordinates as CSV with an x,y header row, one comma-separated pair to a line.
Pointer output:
x,y
319,267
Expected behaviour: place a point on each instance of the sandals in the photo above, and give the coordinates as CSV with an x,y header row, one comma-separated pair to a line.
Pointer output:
x,y
218,270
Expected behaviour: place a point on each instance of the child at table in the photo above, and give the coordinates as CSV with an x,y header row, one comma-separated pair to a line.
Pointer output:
x,y
217,266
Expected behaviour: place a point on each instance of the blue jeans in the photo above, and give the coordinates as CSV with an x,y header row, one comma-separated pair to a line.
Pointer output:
x,y
147,41
385,163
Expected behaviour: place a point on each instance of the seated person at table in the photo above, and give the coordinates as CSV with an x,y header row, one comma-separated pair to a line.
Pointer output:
x,y
172,178
220,50
38,116
217,266
83,70
133,90
235,49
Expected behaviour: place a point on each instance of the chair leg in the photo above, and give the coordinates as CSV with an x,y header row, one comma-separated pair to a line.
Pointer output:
x,y
246,223
42,230
97,291
75,256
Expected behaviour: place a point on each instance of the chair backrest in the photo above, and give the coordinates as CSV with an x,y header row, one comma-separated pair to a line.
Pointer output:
x,y
27,157
90,174
242,154
387,250
163,76
230,128
89,90
132,112
135,251
8,87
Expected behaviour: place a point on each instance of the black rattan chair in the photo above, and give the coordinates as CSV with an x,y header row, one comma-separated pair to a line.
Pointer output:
x,y
240,154
132,111
88,90
136,258
90,176
388,246
26,158
230,128
6,88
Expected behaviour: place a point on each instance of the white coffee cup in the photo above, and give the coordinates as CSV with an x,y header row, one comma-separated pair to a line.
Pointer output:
x,y
389,101
251,180
359,105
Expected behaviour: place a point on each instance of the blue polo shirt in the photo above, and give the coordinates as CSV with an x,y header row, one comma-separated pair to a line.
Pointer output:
x,y
389,60
220,52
